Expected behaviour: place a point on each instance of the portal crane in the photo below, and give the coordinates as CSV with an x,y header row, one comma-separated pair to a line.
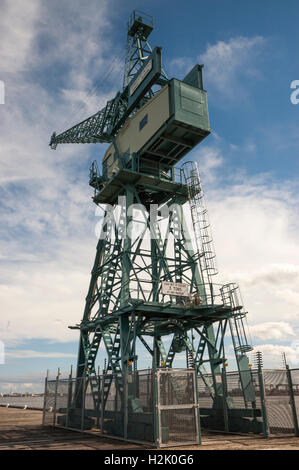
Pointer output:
x,y
148,291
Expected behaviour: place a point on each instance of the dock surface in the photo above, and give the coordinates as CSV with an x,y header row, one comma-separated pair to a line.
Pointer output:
x,y
22,430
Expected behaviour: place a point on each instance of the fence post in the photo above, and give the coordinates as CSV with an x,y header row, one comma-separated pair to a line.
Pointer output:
x,y
157,406
45,398
292,400
55,400
69,399
263,403
259,364
99,399
102,403
83,402
197,402
224,392
125,378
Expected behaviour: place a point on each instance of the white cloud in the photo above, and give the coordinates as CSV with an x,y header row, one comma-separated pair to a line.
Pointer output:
x,y
272,354
277,274
47,241
209,159
272,331
255,231
228,67
17,28
89,104
41,299
228,63
28,354
179,66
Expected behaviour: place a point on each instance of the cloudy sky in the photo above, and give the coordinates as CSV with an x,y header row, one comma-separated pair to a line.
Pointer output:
x,y
60,60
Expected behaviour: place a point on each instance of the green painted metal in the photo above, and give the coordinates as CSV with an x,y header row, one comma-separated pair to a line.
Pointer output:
x,y
140,27
224,400
189,105
263,403
125,303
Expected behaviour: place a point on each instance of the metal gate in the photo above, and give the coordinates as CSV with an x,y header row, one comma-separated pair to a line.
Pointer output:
x,y
177,408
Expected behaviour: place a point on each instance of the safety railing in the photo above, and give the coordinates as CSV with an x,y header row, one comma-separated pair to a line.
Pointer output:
x,y
213,296
134,163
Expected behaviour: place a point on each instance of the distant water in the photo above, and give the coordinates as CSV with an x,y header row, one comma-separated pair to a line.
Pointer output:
x,y
36,402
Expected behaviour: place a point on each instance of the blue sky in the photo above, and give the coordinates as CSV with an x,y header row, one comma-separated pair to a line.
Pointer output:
x,y
60,61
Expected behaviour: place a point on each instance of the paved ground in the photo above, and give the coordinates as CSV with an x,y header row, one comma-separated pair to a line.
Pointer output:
x,y
22,430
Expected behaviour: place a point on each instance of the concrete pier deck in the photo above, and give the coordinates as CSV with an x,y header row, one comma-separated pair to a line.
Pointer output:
x,y
22,430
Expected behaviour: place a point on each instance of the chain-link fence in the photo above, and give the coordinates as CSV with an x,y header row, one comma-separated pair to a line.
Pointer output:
x,y
262,402
231,402
49,402
124,406
171,406
111,405
141,418
279,410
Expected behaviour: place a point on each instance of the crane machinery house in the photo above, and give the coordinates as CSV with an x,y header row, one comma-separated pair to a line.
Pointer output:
x,y
163,130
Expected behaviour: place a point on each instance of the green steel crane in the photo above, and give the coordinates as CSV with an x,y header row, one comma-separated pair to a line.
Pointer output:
x,y
147,288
